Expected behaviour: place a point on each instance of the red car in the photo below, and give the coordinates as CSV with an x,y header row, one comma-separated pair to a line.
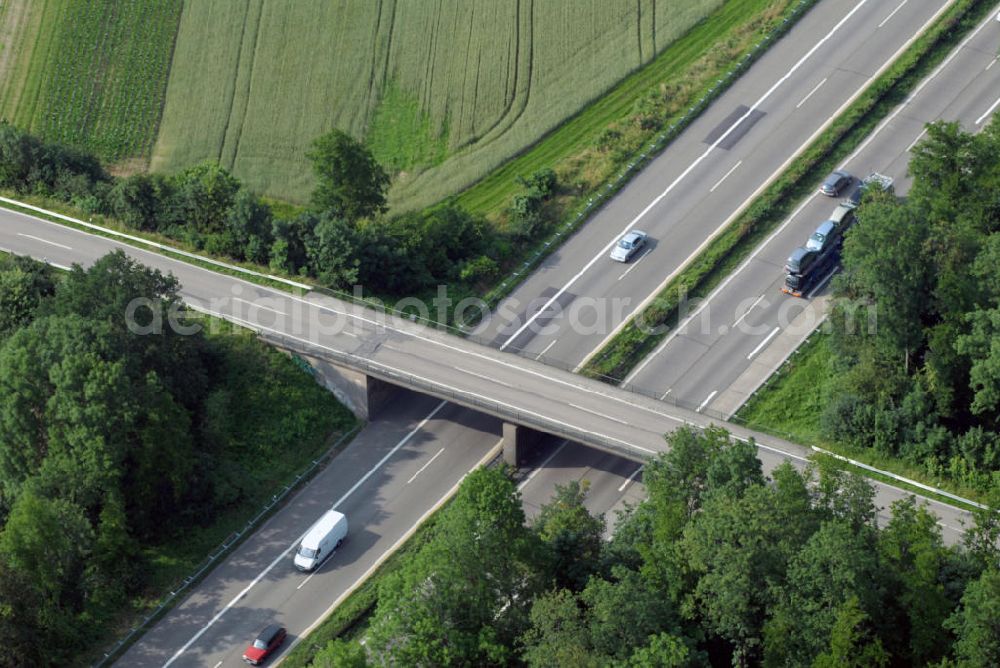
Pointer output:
x,y
265,644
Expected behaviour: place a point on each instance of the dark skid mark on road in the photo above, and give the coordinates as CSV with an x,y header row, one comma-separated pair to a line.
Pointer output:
x,y
554,310
737,134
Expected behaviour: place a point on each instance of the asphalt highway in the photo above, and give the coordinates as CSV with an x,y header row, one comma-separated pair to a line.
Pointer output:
x,y
374,487
189,632
566,309
719,341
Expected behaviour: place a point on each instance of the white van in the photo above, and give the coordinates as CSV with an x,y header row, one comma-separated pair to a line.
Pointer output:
x,y
321,540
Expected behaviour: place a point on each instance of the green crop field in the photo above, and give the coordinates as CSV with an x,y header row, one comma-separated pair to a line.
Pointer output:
x,y
87,72
443,92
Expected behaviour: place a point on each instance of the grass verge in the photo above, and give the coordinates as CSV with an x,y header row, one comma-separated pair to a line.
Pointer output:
x,y
790,405
613,362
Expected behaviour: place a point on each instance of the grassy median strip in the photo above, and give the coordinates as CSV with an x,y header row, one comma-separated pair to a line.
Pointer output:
x,y
613,362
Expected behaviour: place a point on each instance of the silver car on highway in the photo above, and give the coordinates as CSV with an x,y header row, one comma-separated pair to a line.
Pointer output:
x,y
628,246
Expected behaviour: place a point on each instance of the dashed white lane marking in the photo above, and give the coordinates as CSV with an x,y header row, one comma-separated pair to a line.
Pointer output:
x,y
541,466
483,376
819,286
421,469
539,356
803,100
992,63
664,395
303,583
707,399
752,306
260,306
629,479
893,13
44,241
763,343
726,175
914,142
284,554
988,112
606,417
635,264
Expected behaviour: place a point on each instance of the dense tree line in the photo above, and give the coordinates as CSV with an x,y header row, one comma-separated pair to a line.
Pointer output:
x,y
719,566
110,442
344,239
923,383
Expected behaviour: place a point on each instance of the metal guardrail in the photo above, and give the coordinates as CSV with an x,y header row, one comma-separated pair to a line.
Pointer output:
x,y
216,555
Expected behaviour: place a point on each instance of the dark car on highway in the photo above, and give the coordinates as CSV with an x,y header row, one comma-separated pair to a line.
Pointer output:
x,y
264,645
836,182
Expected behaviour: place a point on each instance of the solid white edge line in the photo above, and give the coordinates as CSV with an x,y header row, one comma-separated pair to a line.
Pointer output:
x,y
422,468
393,371
499,360
763,343
493,452
690,168
714,293
288,549
746,203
